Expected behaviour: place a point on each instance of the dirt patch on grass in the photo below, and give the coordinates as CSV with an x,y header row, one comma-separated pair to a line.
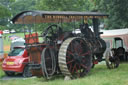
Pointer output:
x,y
7,48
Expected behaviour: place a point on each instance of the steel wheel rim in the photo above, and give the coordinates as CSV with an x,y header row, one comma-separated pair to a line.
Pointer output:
x,y
76,67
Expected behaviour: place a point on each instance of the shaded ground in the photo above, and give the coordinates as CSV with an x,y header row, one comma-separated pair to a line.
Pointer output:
x,y
19,76
12,77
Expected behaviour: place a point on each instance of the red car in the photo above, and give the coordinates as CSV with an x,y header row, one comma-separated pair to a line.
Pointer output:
x,y
17,62
1,32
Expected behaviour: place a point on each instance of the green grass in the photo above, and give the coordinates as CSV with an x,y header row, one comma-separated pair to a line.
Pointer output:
x,y
100,75
1,72
7,41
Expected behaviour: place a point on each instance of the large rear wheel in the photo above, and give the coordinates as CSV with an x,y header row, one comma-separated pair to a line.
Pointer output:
x,y
75,57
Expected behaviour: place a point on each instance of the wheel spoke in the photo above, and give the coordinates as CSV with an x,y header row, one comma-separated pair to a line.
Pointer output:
x,y
67,57
72,47
70,53
80,51
70,61
74,68
85,53
76,45
78,74
80,69
70,67
76,49
84,66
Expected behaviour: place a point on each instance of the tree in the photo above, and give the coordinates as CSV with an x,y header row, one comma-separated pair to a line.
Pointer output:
x,y
22,5
117,10
4,12
19,6
63,5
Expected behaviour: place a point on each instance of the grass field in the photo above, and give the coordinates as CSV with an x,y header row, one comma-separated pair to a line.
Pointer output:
x,y
1,72
100,75
6,37
7,41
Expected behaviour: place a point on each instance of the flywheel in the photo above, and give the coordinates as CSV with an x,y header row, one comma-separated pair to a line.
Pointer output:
x,y
48,62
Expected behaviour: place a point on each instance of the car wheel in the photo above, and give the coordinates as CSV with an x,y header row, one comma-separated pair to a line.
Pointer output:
x,y
27,71
9,73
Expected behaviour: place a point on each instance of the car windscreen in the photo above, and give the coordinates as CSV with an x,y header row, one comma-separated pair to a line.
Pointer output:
x,y
16,52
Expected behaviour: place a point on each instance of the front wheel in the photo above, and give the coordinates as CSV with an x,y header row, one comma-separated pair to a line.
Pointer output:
x,y
111,60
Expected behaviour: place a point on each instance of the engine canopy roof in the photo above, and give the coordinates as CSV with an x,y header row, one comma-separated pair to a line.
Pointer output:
x,y
31,17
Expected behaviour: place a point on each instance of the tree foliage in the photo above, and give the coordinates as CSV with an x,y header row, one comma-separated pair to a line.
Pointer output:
x,y
4,12
117,10
63,5
22,5
19,6
14,7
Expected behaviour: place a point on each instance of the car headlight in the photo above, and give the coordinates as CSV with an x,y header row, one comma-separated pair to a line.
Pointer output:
x,y
18,62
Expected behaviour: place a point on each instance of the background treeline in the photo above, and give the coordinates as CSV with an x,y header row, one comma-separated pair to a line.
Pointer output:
x,y
117,10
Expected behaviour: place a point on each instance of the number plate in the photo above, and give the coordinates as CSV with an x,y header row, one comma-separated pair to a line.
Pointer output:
x,y
10,63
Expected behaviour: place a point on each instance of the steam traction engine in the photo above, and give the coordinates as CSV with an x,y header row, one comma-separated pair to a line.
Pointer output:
x,y
63,52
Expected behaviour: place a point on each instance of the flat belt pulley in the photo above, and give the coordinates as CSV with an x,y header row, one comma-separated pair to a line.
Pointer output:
x,y
75,57
48,62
